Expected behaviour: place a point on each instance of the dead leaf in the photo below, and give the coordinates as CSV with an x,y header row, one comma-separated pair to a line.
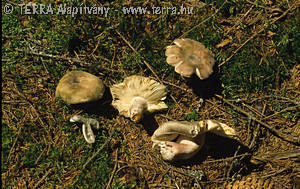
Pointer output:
x,y
127,178
224,42
270,34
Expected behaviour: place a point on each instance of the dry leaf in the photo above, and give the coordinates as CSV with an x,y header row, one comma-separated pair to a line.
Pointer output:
x,y
224,42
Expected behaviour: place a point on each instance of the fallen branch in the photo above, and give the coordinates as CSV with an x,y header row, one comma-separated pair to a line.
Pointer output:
x,y
292,139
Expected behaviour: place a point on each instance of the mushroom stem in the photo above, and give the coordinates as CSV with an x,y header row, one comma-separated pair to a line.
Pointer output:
x,y
170,130
138,107
86,127
220,129
88,134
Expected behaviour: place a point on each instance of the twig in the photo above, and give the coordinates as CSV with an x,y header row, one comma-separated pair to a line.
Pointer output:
x,y
114,170
13,146
231,165
148,65
278,156
255,34
286,109
276,173
199,181
98,151
51,56
285,155
253,3
251,145
243,44
291,139
276,96
65,58
185,33
169,118
161,186
174,85
31,104
240,20
43,178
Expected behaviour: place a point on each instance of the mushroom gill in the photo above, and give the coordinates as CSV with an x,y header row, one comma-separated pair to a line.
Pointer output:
x,y
138,95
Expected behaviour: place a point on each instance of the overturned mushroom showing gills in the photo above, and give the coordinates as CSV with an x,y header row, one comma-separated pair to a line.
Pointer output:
x,y
138,95
79,87
179,140
189,57
86,127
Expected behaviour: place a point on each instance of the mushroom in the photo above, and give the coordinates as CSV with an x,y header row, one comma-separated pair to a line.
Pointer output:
x,y
86,127
138,95
179,140
79,87
189,56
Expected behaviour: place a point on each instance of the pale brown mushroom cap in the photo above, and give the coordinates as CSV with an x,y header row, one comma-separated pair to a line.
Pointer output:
x,y
138,95
79,87
189,56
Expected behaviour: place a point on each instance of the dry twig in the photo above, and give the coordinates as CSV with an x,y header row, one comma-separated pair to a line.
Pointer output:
x,y
291,139
185,33
113,172
43,178
254,35
66,58
99,150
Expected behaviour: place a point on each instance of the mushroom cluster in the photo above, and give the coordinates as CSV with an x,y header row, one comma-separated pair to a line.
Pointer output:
x,y
137,96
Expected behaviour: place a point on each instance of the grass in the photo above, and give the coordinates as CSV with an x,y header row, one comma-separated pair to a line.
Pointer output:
x,y
36,134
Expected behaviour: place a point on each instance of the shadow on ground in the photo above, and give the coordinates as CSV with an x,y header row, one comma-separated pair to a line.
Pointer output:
x,y
218,148
208,87
101,107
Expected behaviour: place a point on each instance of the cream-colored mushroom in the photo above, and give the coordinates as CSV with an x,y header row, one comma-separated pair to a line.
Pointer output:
x,y
182,140
86,127
79,87
189,56
138,95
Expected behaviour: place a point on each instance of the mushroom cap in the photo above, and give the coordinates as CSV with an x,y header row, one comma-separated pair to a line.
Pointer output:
x,y
189,56
138,92
79,87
